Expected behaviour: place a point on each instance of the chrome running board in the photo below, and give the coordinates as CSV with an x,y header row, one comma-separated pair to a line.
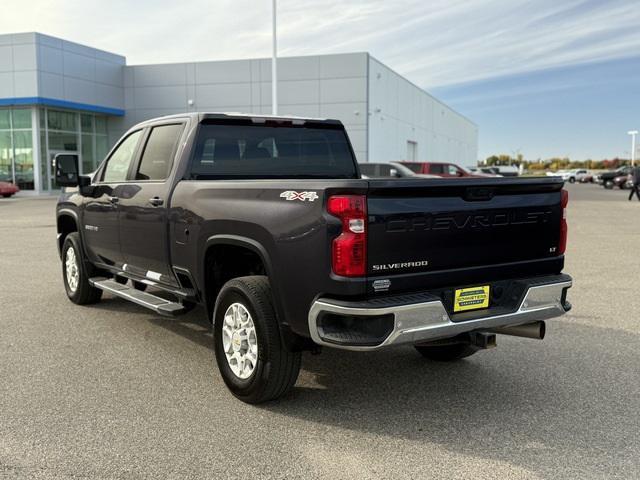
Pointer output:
x,y
159,305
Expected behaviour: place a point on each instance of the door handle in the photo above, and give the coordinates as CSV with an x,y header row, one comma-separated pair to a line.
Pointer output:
x,y
113,199
156,201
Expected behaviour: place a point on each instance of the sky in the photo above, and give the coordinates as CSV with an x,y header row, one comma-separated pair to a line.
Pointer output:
x,y
543,78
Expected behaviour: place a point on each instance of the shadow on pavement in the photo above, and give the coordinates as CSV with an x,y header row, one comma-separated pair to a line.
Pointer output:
x,y
528,403
564,407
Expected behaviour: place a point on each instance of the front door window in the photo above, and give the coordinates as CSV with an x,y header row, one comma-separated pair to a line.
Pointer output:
x,y
118,164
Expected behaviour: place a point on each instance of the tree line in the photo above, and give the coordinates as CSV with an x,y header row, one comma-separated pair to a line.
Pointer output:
x,y
555,163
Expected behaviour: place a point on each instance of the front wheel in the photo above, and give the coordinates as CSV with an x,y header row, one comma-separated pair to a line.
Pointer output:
x,y
572,180
609,184
76,272
252,360
446,353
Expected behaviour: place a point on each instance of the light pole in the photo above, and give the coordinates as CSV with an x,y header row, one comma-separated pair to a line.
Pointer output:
x,y
274,68
633,134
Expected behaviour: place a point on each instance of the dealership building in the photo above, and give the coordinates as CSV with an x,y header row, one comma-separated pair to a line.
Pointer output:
x,y
59,96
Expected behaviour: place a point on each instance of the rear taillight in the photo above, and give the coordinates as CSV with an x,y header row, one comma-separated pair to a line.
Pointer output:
x,y
349,249
562,244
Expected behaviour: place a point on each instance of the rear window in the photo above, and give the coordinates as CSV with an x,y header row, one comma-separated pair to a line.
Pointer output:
x,y
271,151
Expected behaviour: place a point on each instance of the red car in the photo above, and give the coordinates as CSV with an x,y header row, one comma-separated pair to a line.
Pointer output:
x,y
442,169
7,189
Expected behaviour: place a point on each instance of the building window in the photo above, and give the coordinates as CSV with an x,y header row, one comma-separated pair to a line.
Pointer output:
x,y
67,131
16,147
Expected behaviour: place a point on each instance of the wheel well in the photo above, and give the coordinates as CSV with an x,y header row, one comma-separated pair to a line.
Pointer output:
x,y
66,225
224,262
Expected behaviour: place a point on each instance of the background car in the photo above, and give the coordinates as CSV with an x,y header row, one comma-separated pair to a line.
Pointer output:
x,y
389,170
495,171
508,170
7,189
607,179
571,176
623,182
588,178
442,169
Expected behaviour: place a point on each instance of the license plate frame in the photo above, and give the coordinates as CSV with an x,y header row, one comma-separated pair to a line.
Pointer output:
x,y
471,298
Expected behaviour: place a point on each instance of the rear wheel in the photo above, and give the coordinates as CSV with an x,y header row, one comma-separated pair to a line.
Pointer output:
x,y
76,272
608,184
252,360
572,180
446,353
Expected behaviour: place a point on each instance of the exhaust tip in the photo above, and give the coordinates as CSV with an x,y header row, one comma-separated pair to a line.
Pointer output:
x,y
534,330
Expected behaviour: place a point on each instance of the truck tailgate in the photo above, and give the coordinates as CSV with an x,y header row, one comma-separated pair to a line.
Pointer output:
x,y
433,225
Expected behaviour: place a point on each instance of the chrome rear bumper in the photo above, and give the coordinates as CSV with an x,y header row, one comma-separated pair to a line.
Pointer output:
x,y
429,320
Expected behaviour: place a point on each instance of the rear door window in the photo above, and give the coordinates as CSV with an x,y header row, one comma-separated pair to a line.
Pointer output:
x,y
436,168
414,167
368,169
157,157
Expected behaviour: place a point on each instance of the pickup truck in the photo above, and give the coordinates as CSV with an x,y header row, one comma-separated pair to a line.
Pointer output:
x,y
266,223
608,179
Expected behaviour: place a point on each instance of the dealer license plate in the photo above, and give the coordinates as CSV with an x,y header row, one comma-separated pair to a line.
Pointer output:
x,y
471,298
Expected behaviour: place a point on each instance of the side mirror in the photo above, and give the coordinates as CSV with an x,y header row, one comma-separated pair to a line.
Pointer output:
x,y
394,173
66,170
459,173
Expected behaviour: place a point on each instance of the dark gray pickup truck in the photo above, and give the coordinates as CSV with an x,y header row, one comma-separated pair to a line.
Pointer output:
x,y
267,224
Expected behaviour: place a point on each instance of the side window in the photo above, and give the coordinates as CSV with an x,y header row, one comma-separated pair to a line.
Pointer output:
x,y
436,168
368,170
120,160
453,170
385,170
159,151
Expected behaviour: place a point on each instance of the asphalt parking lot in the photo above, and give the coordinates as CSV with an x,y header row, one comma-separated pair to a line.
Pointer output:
x,y
114,391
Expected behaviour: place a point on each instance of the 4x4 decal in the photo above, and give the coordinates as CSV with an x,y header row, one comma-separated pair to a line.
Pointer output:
x,y
302,196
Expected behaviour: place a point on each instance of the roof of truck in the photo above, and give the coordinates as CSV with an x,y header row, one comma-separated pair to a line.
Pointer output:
x,y
256,117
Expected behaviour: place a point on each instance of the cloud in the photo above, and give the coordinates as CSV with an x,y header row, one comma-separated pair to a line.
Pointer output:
x,y
433,43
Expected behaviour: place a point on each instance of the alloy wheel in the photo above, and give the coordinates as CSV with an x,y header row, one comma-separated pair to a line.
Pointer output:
x,y
239,340
72,270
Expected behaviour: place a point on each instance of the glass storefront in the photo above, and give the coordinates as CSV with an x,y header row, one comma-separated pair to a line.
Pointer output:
x,y
16,147
57,131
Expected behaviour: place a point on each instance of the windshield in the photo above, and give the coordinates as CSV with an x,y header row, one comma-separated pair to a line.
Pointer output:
x,y
271,151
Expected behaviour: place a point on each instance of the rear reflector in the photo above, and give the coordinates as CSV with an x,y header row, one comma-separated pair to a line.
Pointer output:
x,y
349,249
562,244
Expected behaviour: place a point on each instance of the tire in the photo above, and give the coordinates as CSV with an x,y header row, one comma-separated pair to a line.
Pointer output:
x,y
275,369
572,180
7,195
446,353
76,272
